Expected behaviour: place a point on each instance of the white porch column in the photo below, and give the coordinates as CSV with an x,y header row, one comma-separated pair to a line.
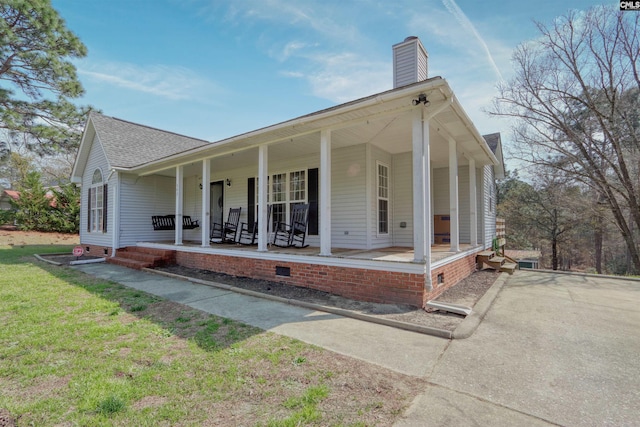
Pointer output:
x,y
454,224
426,202
473,203
325,193
263,173
420,184
179,203
205,222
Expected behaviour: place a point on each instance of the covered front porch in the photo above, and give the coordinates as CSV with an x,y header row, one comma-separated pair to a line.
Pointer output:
x,y
374,173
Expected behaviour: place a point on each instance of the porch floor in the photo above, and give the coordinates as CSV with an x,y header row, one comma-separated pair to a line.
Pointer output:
x,y
393,254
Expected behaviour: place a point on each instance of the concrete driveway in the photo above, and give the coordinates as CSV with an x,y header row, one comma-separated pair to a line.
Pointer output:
x,y
553,349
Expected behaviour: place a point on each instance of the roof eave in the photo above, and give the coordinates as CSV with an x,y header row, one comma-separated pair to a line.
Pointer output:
x,y
473,130
317,116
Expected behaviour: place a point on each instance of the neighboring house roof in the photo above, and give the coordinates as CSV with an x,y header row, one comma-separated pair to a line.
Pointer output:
x,y
494,141
128,144
15,195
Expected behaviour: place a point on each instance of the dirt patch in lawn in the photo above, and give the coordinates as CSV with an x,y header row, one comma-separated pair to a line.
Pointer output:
x,y
12,237
467,292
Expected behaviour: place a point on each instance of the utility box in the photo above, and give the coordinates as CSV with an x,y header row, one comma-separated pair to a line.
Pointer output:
x,y
442,229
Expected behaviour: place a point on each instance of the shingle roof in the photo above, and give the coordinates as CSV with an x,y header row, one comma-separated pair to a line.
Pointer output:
x,y
492,141
129,144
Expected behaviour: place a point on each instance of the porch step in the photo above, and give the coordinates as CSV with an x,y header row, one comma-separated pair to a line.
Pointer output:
x,y
129,263
494,262
165,253
154,260
140,257
508,267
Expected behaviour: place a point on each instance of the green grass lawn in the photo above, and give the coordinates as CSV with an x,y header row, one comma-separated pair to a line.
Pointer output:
x,y
75,350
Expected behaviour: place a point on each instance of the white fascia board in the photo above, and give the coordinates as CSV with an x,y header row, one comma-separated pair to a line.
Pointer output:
x,y
83,151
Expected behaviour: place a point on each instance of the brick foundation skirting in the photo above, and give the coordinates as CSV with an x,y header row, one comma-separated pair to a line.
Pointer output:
x,y
355,283
96,250
452,273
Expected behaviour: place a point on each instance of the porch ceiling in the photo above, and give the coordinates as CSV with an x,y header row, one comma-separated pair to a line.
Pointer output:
x,y
385,122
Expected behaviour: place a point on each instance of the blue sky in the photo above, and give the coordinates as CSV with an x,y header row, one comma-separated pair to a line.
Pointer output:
x,y
213,68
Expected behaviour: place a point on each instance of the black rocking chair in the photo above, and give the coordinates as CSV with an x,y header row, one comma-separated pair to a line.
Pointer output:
x,y
294,233
249,232
226,233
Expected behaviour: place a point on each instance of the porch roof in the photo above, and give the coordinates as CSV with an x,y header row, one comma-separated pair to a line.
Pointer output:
x,y
376,119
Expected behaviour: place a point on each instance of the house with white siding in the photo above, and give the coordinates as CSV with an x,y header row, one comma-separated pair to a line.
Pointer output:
x,y
399,187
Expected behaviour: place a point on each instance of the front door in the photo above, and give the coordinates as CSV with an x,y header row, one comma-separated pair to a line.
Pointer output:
x,y
217,202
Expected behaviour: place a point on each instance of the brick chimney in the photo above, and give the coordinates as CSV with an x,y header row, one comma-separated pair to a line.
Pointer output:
x,y
409,62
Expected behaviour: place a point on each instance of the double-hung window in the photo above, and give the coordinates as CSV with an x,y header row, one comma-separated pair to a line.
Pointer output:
x,y
97,204
284,191
383,198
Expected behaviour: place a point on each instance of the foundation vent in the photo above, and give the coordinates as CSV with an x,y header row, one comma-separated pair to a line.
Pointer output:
x,y
283,271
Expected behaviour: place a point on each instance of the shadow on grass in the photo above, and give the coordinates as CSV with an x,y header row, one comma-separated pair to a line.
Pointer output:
x,y
208,331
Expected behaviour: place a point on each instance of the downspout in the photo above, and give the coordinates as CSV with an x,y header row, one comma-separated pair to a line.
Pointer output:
x,y
116,213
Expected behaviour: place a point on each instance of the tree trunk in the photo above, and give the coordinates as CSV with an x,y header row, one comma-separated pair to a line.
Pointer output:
x,y
554,253
598,237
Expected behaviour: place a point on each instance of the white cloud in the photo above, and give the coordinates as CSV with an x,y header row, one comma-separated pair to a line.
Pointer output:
x,y
470,28
324,19
342,77
174,83
291,49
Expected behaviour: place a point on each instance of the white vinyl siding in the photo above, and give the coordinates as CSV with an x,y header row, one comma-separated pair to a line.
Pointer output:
x,y
140,199
96,160
489,208
402,182
464,215
348,198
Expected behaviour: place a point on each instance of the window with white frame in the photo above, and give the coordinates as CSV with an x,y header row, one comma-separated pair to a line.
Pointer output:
x,y
96,202
383,198
284,190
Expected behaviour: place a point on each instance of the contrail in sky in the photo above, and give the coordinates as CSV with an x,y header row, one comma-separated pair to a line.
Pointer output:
x,y
466,23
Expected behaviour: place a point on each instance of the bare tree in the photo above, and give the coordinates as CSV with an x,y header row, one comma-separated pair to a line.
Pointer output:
x,y
575,101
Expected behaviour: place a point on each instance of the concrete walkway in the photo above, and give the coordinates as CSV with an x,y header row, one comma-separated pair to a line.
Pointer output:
x,y
553,349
